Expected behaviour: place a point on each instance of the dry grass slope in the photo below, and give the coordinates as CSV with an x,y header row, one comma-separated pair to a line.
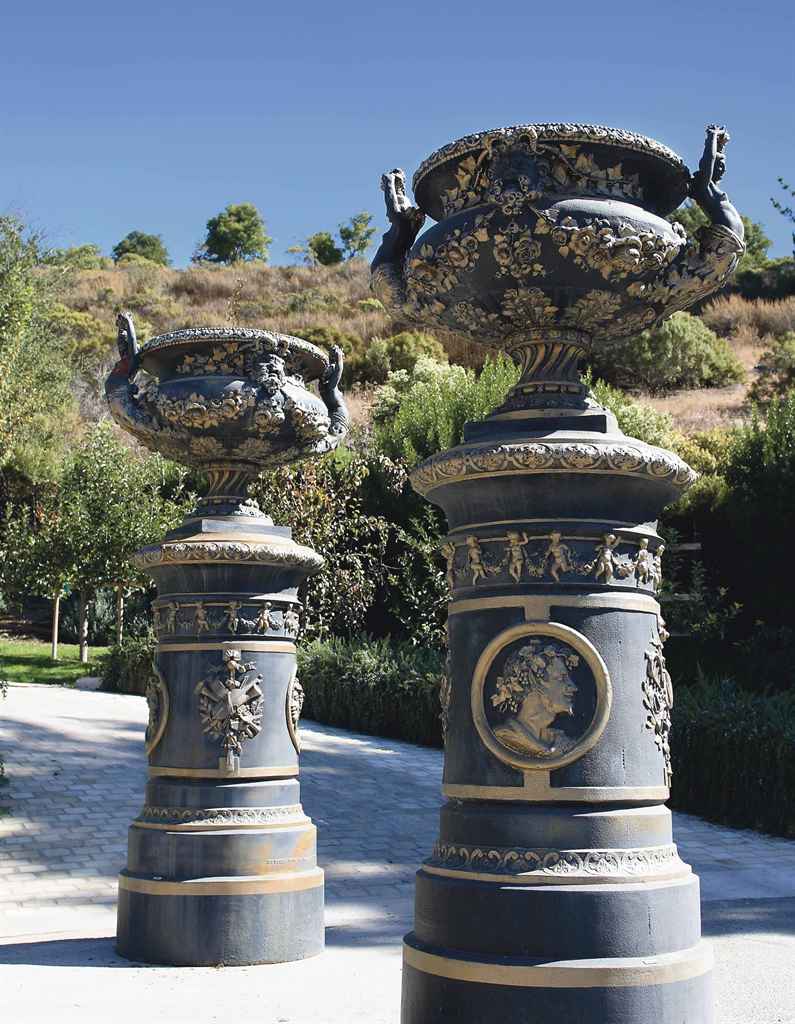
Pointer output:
x,y
334,304
292,299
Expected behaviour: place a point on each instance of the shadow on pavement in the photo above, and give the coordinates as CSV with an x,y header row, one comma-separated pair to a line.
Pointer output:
x,y
748,917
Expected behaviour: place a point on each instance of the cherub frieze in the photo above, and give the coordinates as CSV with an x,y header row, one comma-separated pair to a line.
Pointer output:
x,y
608,560
198,618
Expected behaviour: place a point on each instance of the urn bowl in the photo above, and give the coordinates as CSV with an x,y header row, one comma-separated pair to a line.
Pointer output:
x,y
547,226
230,398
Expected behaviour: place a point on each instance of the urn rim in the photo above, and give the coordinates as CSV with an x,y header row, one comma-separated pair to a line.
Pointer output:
x,y
674,168
312,360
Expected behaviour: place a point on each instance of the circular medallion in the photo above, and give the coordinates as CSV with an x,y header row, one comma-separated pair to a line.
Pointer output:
x,y
158,703
295,703
541,695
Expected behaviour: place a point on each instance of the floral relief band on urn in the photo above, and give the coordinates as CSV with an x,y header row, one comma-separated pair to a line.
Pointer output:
x,y
230,401
552,239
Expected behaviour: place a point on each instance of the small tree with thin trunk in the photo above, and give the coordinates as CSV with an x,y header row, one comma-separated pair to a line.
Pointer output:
x,y
116,500
111,501
356,235
35,561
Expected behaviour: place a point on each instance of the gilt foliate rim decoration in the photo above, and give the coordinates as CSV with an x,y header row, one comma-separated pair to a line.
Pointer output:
x,y
521,861
221,815
178,553
628,458
553,132
540,631
194,334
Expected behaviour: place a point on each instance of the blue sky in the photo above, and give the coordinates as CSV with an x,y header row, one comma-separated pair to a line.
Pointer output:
x,y
155,115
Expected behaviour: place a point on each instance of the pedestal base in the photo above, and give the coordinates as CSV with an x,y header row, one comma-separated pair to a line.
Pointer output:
x,y
669,989
237,923
237,883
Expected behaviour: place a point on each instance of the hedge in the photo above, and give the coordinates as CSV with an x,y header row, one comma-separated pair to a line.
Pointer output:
x,y
733,751
374,686
733,754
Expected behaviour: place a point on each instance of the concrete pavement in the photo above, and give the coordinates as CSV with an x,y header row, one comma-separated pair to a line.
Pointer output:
x,y
77,772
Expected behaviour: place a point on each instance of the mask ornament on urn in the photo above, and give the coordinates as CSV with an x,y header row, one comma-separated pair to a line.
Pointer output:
x,y
555,891
222,861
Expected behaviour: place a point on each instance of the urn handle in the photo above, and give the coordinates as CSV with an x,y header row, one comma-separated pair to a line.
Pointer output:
x,y
704,186
331,393
120,390
704,264
405,222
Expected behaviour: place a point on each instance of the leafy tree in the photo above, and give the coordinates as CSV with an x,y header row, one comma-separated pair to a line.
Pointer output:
x,y
692,217
236,233
139,243
36,557
76,257
110,502
321,248
324,505
114,502
786,210
354,238
36,405
356,235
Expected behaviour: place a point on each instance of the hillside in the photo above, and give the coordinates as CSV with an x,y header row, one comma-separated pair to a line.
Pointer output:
x,y
333,305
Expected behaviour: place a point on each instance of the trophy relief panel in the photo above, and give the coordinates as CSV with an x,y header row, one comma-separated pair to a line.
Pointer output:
x,y
541,696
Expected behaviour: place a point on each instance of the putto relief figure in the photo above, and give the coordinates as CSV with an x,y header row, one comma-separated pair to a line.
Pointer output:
x,y
644,563
516,546
604,566
535,688
557,556
448,550
475,557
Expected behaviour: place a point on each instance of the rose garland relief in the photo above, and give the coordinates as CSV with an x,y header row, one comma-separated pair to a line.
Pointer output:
x,y
668,270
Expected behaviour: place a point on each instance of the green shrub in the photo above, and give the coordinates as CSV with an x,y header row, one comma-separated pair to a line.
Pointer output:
x,y
77,257
734,756
128,666
84,334
398,352
681,353
374,686
745,525
635,418
776,370
775,280
324,504
370,306
313,300
325,337
419,413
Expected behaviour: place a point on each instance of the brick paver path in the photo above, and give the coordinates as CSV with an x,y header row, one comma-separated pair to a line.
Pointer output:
x,y
77,770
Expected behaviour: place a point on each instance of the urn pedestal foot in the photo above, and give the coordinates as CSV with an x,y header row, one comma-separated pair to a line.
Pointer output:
x,y
222,864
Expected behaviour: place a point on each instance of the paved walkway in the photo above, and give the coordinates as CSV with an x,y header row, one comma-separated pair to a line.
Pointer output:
x,y
77,773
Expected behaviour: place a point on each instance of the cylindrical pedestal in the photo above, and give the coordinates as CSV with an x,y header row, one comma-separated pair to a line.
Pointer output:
x,y
555,890
222,861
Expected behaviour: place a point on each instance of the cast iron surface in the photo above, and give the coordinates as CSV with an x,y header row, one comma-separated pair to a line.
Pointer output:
x,y
544,227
